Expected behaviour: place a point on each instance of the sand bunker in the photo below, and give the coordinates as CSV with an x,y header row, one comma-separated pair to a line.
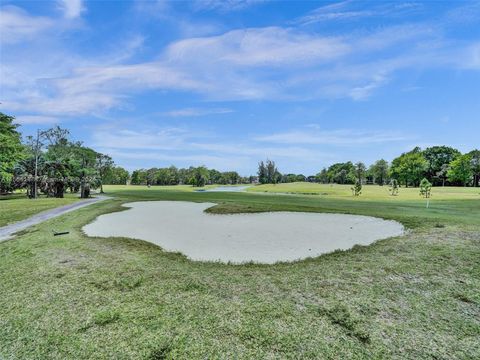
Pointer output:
x,y
263,238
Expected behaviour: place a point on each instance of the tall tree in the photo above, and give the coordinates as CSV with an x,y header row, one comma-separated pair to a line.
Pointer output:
x,y
199,176
461,170
409,167
262,173
35,146
322,176
85,171
360,171
437,157
379,171
117,176
11,151
273,175
57,166
475,164
103,164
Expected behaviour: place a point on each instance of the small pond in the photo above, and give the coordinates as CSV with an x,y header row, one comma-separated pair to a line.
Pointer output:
x,y
262,237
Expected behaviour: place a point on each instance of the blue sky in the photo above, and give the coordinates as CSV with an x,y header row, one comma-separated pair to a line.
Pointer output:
x,y
228,83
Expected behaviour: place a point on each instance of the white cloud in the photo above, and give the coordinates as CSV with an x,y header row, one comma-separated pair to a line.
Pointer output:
x,y
349,11
270,63
17,25
268,46
333,137
191,112
71,8
36,119
224,5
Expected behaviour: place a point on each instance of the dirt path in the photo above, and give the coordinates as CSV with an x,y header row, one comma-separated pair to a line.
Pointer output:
x,y
7,232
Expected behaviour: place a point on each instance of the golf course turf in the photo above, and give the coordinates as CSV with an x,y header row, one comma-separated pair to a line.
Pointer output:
x,y
415,296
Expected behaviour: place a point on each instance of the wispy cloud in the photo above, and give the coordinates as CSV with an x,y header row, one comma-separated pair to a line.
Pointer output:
x,y
36,119
352,10
192,112
17,25
224,5
332,137
71,8
266,63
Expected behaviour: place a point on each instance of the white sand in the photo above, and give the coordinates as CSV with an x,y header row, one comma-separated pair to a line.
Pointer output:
x,y
263,238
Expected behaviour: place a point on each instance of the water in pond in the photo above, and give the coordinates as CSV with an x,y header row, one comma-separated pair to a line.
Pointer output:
x,y
263,237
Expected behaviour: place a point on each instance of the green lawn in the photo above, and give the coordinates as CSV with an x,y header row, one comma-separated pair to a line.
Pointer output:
x,y
416,296
18,207
369,192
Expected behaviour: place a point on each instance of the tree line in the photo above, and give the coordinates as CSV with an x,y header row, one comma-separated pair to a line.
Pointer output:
x,y
196,176
440,165
50,163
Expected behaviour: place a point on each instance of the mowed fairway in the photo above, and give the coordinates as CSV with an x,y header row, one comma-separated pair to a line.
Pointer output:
x,y
415,296
18,207
369,192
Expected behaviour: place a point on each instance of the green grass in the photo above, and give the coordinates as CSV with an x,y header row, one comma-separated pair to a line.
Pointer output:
x,y
187,188
414,297
369,192
18,207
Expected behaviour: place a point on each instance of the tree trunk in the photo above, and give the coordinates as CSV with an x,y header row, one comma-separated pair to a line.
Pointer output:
x,y
101,188
84,190
59,190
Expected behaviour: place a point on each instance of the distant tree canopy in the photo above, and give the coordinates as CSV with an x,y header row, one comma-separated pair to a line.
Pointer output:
x,y
48,163
196,176
340,173
116,175
440,165
409,168
11,151
268,172
61,164
438,158
378,172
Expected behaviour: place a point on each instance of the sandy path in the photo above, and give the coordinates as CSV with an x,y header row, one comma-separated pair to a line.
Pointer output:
x,y
6,232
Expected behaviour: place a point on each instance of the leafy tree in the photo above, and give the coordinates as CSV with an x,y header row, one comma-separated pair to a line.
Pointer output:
x,y
58,166
437,157
360,171
409,167
11,151
230,177
322,176
85,168
442,174
393,187
379,172
268,172
461,170
139,177
199,176
116,176
341,173
103,165
215,176
273,175
475,165
425,188
262,173
357,188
